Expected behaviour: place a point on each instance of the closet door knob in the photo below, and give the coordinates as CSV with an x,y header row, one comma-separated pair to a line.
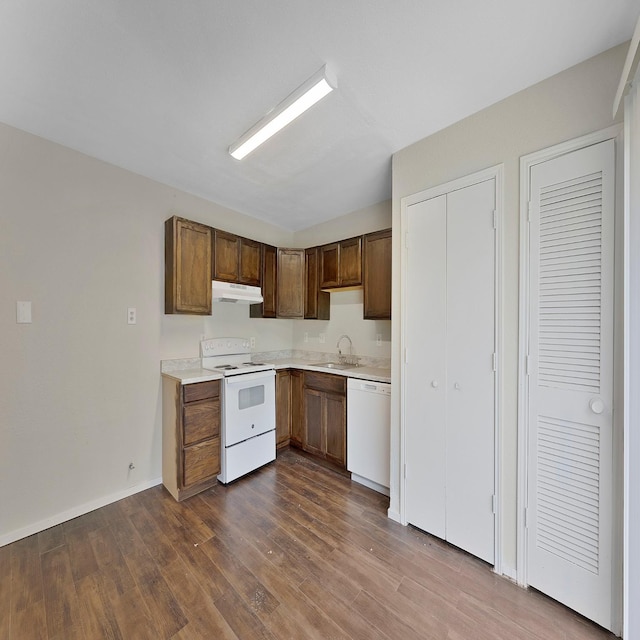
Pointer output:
x,y
456,386
434,384
596,405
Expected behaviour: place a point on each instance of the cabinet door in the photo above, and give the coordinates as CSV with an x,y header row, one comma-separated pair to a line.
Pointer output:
x,y
377,275
329,265
351,262
290,289
316,302
200,420
269,270
313,422
201,462
226,256
250,262
297,408
283,407
187,267
335,420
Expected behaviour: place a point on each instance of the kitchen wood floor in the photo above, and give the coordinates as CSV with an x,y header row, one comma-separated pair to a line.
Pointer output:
x,y
293,551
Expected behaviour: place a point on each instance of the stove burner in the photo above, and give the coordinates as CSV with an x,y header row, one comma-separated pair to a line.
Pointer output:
x,y
226,367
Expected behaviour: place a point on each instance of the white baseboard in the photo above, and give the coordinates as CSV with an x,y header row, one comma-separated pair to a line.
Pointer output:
x,y
370,484
80,510
394,515
509,572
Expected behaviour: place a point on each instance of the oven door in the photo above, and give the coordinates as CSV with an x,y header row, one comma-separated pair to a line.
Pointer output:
x,y
249,406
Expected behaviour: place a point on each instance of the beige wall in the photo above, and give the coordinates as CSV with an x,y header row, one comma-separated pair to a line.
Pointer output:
x,y
80,389
367,220
570,104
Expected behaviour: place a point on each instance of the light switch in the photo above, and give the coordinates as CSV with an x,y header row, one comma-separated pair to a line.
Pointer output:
x,y
23,312
131,315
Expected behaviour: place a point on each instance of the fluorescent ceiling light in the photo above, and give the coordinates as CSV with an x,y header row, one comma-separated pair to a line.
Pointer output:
x,y
305,96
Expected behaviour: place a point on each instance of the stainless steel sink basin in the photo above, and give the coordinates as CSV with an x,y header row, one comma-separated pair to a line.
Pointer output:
x,y
333,365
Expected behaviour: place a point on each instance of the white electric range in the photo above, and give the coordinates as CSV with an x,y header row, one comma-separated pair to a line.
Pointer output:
x,y
248,418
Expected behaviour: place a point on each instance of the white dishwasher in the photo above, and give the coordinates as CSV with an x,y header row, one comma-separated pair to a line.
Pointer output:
x,y
368,428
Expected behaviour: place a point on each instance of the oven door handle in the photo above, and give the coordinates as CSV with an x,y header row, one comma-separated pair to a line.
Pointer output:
x,y
243,378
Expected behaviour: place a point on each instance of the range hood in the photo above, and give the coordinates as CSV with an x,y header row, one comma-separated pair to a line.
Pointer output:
x,y
231,292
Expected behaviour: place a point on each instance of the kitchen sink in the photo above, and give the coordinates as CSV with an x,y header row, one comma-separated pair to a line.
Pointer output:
x,y
333,365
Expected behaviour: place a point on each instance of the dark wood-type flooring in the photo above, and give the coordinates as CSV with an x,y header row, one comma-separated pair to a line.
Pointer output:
x,y
292,551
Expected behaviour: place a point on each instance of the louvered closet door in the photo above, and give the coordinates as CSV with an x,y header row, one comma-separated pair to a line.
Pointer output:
x,y
569,532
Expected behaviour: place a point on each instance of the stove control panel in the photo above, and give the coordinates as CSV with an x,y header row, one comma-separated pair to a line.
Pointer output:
x,y
224,347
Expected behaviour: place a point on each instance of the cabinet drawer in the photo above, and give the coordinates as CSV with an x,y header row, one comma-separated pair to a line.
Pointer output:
x,y
325,382
201,461
200,390
200,420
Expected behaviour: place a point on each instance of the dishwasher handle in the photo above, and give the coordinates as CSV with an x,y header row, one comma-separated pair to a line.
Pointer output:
x,y
383,388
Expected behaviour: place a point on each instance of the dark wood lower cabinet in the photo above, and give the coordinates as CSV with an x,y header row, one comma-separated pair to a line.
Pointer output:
x,y
325,417
311,414
335,424
313,419
297,407
283,407
190,436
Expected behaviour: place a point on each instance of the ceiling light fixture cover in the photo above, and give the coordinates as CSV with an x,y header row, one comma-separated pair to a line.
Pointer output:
x,y
305,96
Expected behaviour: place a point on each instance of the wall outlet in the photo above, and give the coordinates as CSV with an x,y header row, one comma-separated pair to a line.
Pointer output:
x,y
253,342
23,312
378,339
131,315
306,336
323,338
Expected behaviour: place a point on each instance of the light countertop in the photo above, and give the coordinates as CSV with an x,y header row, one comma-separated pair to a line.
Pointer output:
x,y
375,374
189,376
188,371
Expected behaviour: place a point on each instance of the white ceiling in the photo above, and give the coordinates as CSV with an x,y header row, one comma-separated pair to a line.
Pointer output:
x,y
163,87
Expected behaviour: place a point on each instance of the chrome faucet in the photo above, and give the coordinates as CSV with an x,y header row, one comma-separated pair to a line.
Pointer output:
x,y
340,356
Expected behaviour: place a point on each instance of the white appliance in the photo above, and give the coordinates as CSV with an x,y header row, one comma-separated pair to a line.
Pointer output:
x,y
232,292
368,433
248,421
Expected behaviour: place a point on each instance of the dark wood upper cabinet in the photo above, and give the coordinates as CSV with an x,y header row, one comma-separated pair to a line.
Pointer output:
x,y
317,303
290,283
226,253
341,264
269,288
187,267
250,269
351,262
329,265
293,281
236,259
377,275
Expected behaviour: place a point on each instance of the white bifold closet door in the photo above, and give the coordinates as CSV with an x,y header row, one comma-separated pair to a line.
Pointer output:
x,y
449,372
570,497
